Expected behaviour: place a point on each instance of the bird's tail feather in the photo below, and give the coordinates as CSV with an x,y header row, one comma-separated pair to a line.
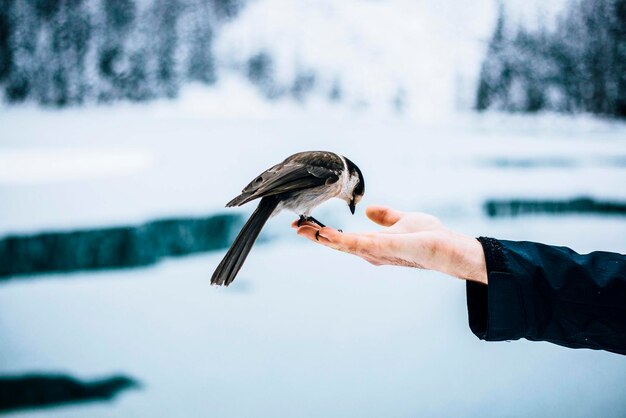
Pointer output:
x,y
228,268
239,200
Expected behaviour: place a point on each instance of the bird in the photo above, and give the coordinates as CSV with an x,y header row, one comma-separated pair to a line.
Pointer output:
x,y
300,183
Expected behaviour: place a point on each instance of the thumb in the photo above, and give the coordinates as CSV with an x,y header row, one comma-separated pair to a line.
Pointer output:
x,y
383,215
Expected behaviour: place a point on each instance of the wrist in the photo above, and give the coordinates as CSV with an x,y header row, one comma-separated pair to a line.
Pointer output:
x,y
466,259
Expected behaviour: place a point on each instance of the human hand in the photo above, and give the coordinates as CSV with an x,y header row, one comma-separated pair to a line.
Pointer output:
x,y
409,239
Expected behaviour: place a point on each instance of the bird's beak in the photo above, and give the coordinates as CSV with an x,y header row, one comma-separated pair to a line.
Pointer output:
x,y
351,206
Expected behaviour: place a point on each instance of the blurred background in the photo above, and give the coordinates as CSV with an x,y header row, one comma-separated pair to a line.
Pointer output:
x,y
126,125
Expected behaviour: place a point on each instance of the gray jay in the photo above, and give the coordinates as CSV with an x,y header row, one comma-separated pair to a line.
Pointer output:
x,y
300,183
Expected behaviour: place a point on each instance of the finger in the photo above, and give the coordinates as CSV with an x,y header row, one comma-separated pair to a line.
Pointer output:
x,y
357,244
351,243
309,232
383,215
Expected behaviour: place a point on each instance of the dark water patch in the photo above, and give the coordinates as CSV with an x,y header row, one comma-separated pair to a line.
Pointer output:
x,y
118,247
44,391
582,205
503,162
553,162
618,161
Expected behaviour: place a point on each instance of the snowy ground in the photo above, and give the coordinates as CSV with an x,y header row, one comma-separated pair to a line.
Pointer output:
x,y
303,331
128,164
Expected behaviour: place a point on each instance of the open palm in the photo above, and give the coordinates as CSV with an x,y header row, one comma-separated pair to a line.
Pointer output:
x,y
408,239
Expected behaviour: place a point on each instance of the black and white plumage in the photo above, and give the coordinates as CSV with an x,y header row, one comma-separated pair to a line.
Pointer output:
x,y
300,183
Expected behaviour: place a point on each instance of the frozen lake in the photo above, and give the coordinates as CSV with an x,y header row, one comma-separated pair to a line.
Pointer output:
x,y
303,331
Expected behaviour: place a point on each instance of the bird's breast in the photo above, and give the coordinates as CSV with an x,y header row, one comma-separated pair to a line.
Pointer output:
x,y
303,202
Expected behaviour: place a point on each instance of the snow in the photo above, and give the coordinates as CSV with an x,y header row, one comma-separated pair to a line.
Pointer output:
x,y
305,331
335,338
40,165
424,55
374,51
162,160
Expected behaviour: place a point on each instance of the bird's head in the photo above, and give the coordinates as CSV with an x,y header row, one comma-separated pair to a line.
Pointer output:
x,y
356,185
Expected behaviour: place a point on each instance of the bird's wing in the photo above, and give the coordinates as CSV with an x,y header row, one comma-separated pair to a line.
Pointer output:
x,y
283,178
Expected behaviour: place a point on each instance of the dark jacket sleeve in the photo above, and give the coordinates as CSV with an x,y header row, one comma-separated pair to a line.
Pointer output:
x,y
547,293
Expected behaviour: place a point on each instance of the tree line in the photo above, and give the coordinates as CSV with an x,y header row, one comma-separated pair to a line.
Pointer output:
x,y
579,66
68,52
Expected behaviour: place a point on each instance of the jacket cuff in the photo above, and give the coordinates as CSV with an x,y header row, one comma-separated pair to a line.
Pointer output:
x,y
496,311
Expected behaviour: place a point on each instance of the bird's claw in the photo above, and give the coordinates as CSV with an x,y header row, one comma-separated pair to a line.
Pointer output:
x,y
311,219
303,219
315,221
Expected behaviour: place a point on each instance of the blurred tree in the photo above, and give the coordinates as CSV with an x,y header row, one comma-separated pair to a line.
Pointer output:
x,y
260,71
619,33
494,73
6,27
200,62
71,31
578,67
594,55
226,9
118,24
259,68
568,59
23,48
165,14
532,70
399,101
335,94
136,83
65,52
303,84
46,9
